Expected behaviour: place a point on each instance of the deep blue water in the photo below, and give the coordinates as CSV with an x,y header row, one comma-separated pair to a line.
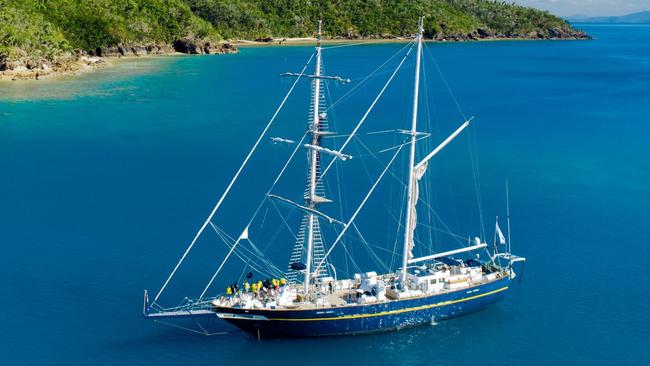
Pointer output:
x,y
106,177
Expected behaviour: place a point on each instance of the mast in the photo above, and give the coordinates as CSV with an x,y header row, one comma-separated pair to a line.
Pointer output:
x,y
314,159
409,226
508,216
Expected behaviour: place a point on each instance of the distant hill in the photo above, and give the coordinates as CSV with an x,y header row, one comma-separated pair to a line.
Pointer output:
x,y
642,17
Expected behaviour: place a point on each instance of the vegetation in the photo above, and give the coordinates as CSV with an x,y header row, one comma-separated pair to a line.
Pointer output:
x,y
372,18
23,30
37,31
46,29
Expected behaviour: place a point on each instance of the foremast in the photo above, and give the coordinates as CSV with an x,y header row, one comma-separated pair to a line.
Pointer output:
x,y
312,198
314,159
411,214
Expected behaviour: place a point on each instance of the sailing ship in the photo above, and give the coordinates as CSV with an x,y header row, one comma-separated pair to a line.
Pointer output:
x,y
308,299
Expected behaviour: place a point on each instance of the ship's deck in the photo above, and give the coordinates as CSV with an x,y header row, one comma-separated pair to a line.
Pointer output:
x,y
338,298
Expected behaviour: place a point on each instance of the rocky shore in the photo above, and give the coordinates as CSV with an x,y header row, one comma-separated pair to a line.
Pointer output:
x,y
82,61
553,33
479,35
24,68
41,39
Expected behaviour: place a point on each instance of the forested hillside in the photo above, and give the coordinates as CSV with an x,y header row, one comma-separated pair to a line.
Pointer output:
x,y
55,35
49,28
455,19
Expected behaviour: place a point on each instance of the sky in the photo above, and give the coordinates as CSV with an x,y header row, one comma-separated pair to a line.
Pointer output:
x,y
588,7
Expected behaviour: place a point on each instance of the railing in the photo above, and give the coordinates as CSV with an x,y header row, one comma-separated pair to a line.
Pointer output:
x,y
187,307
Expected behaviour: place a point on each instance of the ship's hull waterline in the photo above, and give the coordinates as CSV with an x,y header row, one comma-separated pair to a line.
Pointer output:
x,y
370,318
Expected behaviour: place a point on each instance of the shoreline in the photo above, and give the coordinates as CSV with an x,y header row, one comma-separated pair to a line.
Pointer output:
x,y
102,63
277,42
78,67
101,59
82,62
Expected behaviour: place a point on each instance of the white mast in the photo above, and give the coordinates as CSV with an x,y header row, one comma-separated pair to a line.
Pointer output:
x,y
508,216
409,227
314,158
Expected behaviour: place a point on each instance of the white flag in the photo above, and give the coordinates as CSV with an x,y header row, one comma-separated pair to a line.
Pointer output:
x,y
244,234
502,239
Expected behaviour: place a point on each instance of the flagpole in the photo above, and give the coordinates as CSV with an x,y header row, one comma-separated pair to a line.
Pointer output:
x,y
508,216
494,242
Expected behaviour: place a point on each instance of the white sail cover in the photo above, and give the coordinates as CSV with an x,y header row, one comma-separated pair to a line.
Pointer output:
x,y
502,238
418,174
244,234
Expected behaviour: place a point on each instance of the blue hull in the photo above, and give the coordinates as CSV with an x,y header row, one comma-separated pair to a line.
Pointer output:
x,y
368,318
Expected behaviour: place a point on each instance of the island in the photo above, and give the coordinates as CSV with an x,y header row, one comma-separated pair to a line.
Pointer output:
x,y
42,38
642,17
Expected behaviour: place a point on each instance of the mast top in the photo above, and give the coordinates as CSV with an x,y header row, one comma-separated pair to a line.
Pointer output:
x,y
320,25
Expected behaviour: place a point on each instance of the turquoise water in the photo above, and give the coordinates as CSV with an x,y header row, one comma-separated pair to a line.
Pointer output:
x,y
106,177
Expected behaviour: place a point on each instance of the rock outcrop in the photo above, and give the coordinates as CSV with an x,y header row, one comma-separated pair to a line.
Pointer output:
x,y
26,68
187,45
194,46
3,62
71,63
136,50
554,33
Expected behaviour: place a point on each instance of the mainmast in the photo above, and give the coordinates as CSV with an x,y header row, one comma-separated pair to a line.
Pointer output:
x,y
314,158
310,232
409,227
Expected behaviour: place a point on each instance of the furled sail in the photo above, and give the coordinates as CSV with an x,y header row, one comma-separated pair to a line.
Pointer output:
x,y
244,234
418,174
502,238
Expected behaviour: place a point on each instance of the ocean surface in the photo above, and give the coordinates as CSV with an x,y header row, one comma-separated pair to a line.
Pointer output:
x,y
105,179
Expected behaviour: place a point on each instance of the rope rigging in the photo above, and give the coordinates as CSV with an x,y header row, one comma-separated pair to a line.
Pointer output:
x,y
254,258
358,86
471,145
234,179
